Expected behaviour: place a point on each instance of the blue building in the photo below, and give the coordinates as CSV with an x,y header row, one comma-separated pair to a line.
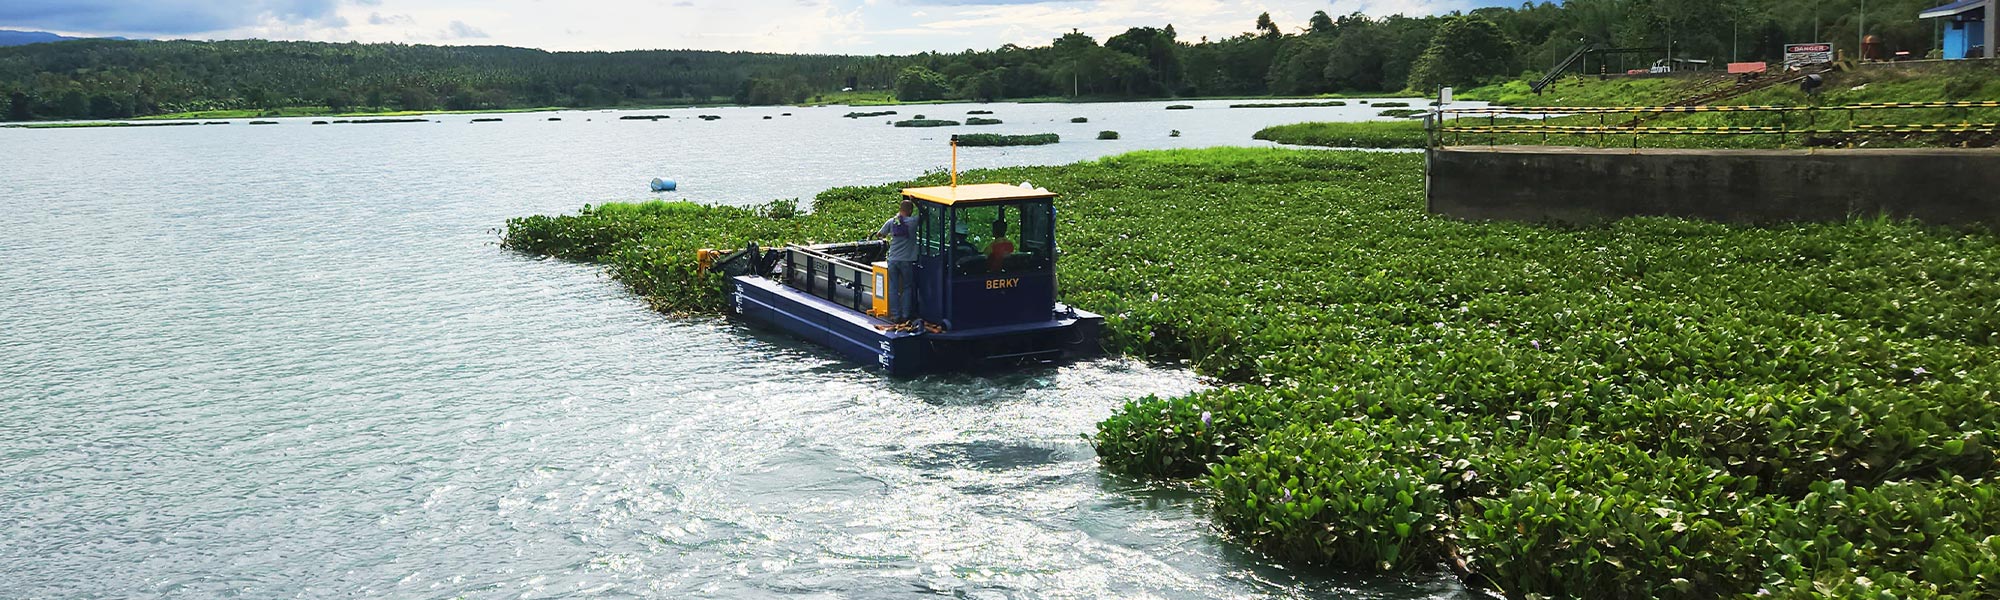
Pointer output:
x,y
1968,27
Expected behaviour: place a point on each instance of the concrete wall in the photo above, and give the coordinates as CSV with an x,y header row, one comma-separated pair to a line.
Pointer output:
x,y
1582,185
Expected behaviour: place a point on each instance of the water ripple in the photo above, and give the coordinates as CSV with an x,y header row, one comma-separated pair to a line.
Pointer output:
x,y
288,361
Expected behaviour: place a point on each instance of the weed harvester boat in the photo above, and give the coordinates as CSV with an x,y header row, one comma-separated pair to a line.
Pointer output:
x,y
971,310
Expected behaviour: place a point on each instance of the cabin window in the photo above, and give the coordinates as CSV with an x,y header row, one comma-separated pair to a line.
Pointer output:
x,y
1022,238
1037,234
931,226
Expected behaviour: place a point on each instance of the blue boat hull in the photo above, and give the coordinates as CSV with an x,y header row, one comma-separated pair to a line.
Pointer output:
x,y
1068,333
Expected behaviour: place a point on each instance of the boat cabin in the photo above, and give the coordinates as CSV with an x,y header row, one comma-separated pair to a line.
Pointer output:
x,y
985,255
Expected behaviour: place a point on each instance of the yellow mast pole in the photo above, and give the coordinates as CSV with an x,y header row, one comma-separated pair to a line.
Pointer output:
x,y
954,161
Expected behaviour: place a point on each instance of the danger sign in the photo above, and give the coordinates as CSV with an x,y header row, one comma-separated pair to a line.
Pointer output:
x,y
1799,56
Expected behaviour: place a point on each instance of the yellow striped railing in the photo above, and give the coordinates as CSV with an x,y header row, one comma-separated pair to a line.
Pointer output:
x,y
1583,129
1617,110
1451,126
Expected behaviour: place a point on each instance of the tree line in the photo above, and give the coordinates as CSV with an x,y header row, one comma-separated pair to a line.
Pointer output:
x,y
1325,53
116,79
1360,53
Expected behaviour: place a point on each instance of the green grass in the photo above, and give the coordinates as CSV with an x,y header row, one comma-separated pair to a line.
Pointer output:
x,y
981,121
1107,135
1370,134
1806,129
1581,91
1929,82
1919,82
1650,408
994,139
922,122
1760,141
862,98
1922,82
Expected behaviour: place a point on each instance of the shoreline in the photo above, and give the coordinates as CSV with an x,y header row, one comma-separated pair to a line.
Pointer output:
x,y
323,112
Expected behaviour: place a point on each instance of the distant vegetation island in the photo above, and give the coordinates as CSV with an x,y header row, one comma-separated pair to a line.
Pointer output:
x,y
1351,54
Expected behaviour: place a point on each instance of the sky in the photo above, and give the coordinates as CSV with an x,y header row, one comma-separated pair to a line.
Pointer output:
x,y
797,26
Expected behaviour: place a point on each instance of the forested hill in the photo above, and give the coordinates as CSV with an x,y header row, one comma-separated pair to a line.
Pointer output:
x,y
1351,53
109,79
9,37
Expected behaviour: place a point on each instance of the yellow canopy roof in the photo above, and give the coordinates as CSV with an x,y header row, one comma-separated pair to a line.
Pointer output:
x,y
977,193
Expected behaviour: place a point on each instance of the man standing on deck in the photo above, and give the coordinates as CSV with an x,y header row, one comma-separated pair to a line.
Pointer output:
x,y
901,230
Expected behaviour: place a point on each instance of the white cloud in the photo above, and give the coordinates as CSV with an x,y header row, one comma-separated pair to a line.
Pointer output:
x,y
375,18
819,26
458,30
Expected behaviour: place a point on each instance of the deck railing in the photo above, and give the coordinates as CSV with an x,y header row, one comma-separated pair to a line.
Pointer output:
x,y
825,272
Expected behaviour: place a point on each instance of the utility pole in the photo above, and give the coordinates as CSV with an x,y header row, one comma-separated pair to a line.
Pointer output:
x,y
1992,28
1861,34
1735,23
1586,60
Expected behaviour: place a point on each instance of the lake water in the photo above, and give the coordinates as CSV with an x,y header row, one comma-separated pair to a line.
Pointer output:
x,y
290,361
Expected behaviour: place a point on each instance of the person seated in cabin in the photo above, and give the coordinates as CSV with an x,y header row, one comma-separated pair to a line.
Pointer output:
x,y
966,257
960,246
999,249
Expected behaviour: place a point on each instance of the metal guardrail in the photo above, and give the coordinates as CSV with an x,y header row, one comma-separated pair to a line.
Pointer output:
x,y
821,271
1934,128
1594,110
1450,123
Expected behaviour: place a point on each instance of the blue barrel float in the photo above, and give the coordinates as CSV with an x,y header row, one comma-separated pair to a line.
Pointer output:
x,y
663,185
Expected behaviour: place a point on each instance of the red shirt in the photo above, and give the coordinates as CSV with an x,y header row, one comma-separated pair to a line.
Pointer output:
x,y
996,253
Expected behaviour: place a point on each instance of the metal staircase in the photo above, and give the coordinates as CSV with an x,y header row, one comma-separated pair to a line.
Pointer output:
x,y
1561,67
